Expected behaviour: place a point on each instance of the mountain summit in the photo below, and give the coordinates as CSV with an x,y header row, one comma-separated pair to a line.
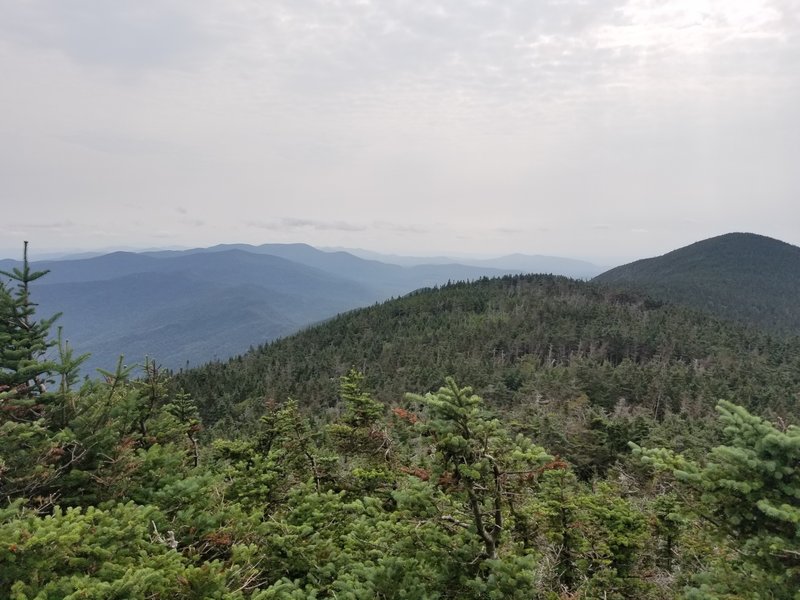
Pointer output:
x,y
744,277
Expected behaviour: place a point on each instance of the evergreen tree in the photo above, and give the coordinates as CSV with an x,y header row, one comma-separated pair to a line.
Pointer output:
x,y
185,410
360,409
360,431
749,489
477,458
24,341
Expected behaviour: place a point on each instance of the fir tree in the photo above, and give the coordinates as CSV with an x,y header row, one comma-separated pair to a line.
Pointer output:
x,y
24,369
477,457
749,490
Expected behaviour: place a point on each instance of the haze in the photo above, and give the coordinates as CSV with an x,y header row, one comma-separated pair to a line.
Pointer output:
x,y
601,130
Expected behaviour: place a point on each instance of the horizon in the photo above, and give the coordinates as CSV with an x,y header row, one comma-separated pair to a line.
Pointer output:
x,y
70,252
603,131
608,263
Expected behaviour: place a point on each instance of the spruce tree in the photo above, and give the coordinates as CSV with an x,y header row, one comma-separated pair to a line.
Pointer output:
x,y
749,489
24,369
478,460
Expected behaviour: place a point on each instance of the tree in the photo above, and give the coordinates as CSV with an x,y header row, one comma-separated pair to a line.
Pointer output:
x,y
185,410
361,433
476,457
749,490
115,552
595,536
360,409
23,343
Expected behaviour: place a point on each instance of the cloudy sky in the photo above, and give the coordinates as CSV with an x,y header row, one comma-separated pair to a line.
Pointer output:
x,y
600,129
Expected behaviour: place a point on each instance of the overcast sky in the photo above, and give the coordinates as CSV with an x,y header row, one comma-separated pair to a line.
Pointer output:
x,y
599,129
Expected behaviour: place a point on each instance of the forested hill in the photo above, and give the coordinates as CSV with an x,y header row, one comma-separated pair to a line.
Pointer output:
x,y
522,340
193,306
745,277
592,468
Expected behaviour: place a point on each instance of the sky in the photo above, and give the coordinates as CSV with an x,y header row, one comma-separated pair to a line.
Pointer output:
x,y
607,130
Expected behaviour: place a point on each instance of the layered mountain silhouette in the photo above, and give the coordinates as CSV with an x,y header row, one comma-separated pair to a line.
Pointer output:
x,y
188,307
522,263
743,277
193,306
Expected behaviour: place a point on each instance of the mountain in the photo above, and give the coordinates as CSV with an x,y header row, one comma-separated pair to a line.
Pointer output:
x,y
187,308
384,278
743,277
192,306
520,341
562,480
517,263
553,265
395,259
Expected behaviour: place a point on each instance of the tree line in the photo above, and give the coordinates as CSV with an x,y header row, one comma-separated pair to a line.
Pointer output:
x,y
120,487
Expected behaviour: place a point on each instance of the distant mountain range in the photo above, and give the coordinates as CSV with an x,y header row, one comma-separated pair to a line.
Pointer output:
x,y
743,277
191,306
522,263
187,307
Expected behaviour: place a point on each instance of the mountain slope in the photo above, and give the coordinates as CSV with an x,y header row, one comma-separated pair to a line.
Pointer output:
x,y
199,305
517,263
187,308
170,317
744,277
520,340
383,278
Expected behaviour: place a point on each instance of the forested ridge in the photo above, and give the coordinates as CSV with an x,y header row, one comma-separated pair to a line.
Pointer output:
x,y
520,341
191,306
586,461
743,277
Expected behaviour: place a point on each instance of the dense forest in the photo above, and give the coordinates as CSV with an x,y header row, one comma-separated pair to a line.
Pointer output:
x,y
524,342
610,447
191,306
744,277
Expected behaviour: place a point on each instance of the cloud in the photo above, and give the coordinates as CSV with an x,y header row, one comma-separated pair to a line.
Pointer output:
x,y
187,217
299,224
415,124
399,227
51,226
295,224
115,143
119,35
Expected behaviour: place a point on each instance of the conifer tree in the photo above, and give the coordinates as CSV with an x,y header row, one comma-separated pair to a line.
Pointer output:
x,y
478,458
23,341
749,489
361,409
360,430
185,410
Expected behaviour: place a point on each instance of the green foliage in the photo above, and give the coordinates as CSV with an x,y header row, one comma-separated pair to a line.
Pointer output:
x,y
113,490
477,458
515,577
532,344
360,409
98,553
749,489
358,431
743,277
23,342
598,536
183,408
